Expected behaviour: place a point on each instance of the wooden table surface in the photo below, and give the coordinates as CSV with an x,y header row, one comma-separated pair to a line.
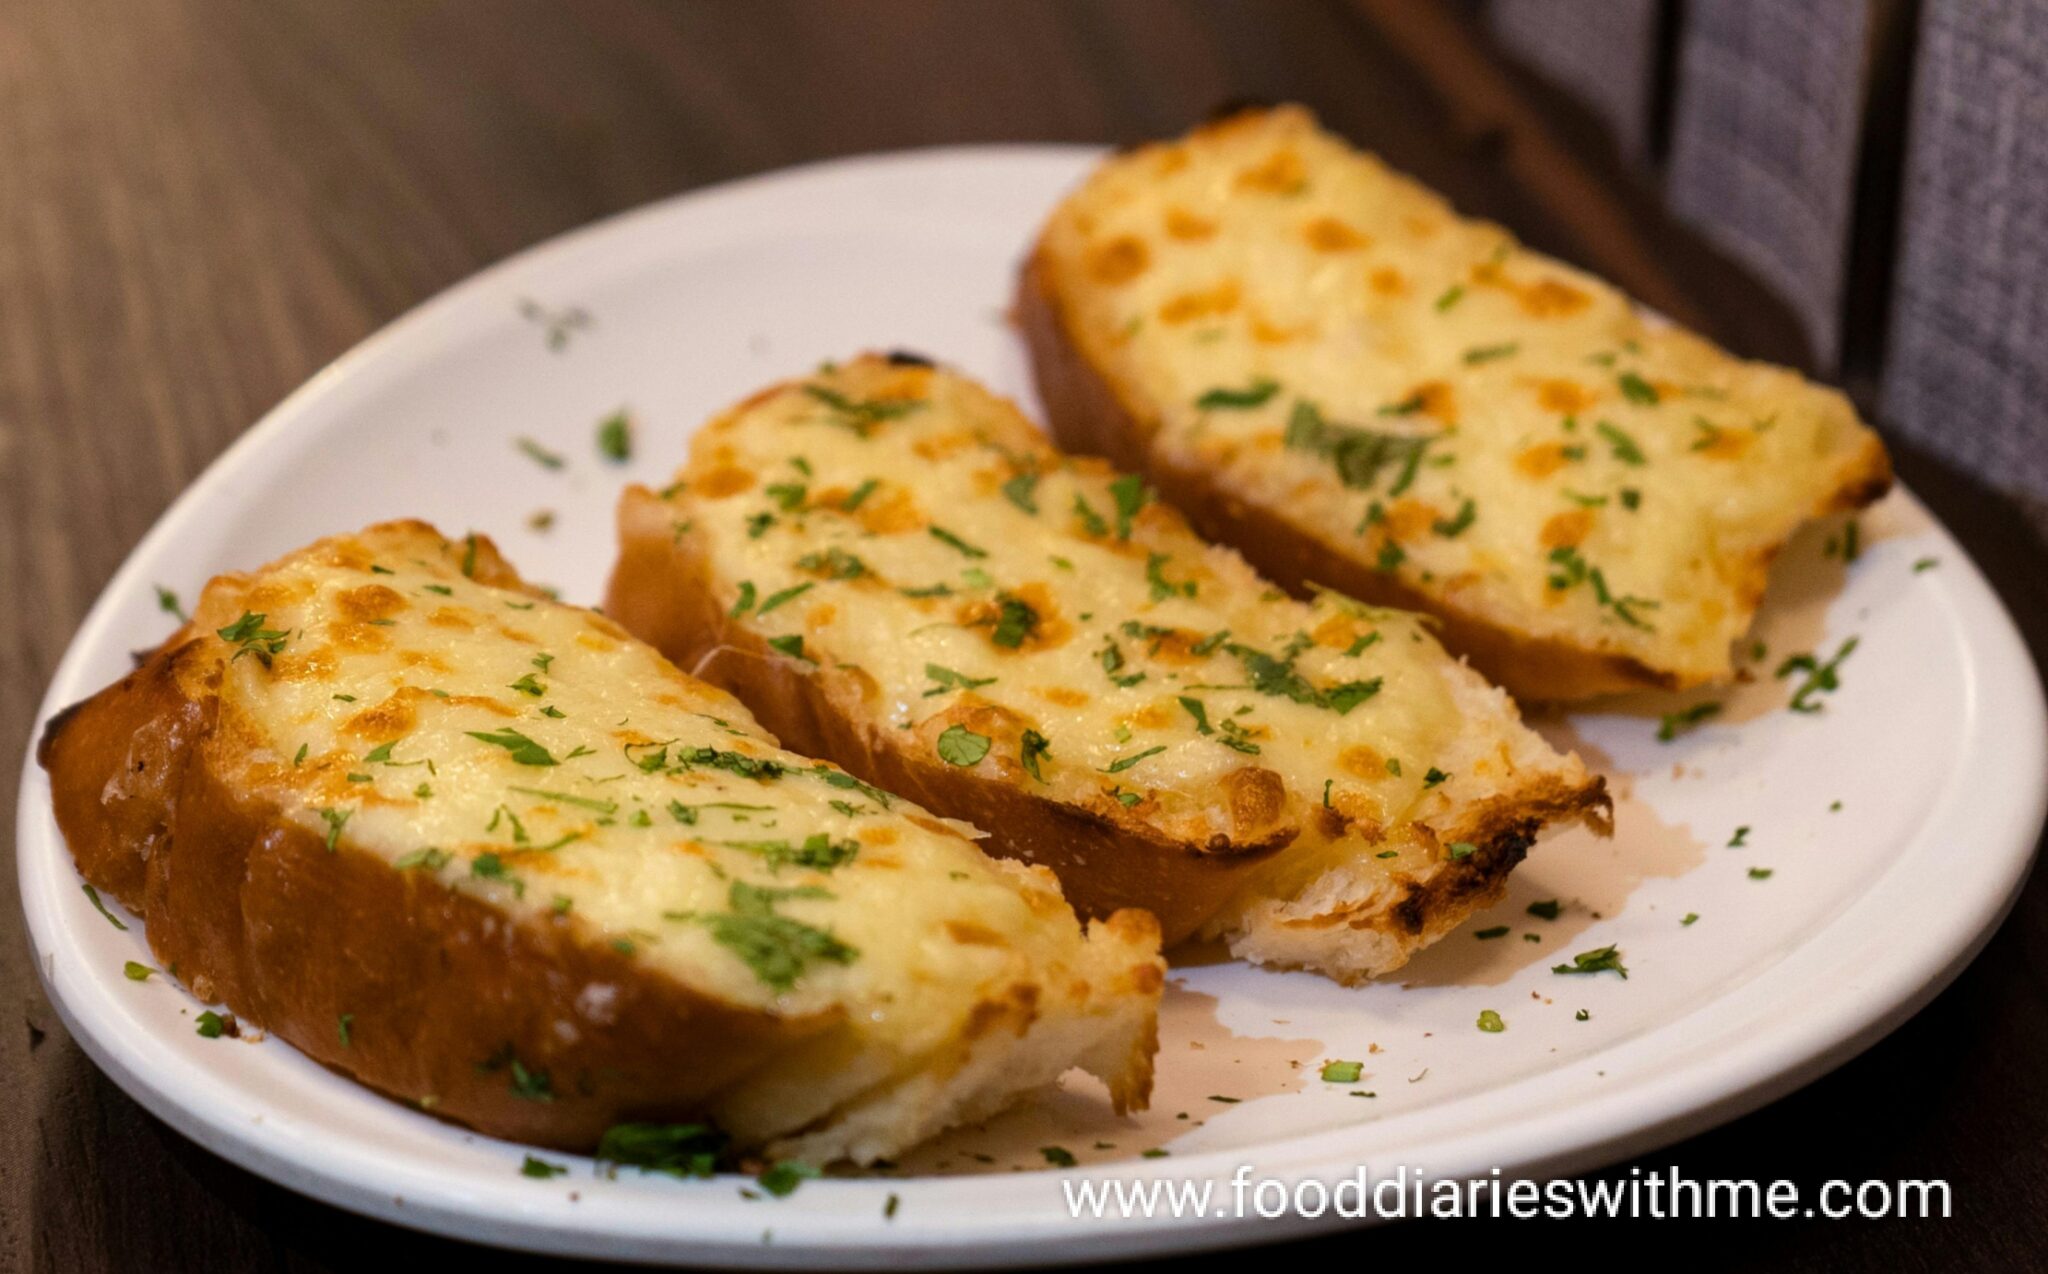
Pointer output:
x,y
204,201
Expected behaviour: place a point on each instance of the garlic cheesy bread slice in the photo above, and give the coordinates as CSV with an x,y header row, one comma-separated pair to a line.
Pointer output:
x,y
1322,364
488,854
895,570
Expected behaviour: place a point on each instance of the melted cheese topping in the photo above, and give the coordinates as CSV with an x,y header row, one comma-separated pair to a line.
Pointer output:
x,y
1043,622
1497,430
535,755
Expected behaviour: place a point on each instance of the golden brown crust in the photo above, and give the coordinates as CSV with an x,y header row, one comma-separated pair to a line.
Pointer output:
x,y
442,991
660,592
1087,414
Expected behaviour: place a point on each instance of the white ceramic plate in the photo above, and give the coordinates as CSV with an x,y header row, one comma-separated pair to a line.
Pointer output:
x,y
1896,824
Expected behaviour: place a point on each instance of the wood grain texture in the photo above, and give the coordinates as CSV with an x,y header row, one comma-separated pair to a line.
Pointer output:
x,y
203,201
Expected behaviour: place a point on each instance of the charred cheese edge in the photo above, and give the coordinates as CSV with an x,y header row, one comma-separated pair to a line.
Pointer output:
x,y
534,756
1500,435
1044,623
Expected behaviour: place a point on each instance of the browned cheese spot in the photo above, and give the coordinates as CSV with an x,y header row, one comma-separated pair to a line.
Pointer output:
x,y
1328,234
1118,261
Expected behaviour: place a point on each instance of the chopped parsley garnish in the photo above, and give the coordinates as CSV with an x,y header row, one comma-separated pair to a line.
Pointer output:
x,y
344,1027
1091,521
1926,564
1058,1156
788,496
1461,849
1498,931
791,645
1637,390
606,808
1685,720
786,595
212,1025
818,852
1821,678
945,679
1277,676
1760,873
541,1168
1625,448
687,814
1360,455
1570,568
1125,763
526,685
1488,353
1342,1072
1131,495
1162,587
135,971
1021,491
1691,918
1112,658
335,820
943,536
1256,394
1547,909
615,437
252,638
782,1178
862,414
1491,1022
524,750
1016,621
429,858
680,1150
1849,546
961,746
488,866
1199,711
1741,837
775,947
93,896
1450,296
745,601
167,602
1032,746
858,496
1451,527
540,455
1598,960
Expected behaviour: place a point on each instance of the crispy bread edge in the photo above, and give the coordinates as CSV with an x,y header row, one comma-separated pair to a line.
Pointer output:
x,y
443,991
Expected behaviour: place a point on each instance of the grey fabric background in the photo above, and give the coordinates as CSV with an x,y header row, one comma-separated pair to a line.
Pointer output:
x,y
1604,53
1775,129
1764,128
1966,366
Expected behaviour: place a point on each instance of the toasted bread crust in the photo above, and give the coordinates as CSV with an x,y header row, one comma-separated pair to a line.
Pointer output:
x,y
254,912
1088,414
529,1024
660,592
1098,384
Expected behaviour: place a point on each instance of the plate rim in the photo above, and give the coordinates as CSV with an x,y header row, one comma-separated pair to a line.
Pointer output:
x,y
1641,1116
